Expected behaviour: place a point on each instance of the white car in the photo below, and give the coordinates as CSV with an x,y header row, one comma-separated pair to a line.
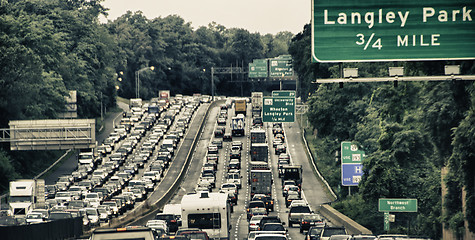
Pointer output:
x,y
229,187
93,216
34,217
63,196
158,224
152,175
254,222
234,178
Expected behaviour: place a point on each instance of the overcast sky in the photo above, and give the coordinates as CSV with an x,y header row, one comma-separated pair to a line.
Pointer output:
x,y
263,16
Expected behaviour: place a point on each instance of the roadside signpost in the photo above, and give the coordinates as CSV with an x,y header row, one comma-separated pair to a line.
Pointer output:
x,y
278,109
397,205
388,205
351,164
392,30
386,221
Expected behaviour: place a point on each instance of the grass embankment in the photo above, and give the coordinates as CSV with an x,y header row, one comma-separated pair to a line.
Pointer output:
x,y
323,153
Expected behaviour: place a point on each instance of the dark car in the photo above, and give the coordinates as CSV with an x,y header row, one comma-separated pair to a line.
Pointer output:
x,y
235,154
314,233
56,215
280,149
50,191
218,133
274,227
227,137
254,204
268,219
310,220
172,220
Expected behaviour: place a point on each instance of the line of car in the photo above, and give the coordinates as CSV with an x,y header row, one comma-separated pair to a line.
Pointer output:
x,y
111,179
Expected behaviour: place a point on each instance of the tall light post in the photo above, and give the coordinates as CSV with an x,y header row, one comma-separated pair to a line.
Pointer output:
x,y
212,83
137,79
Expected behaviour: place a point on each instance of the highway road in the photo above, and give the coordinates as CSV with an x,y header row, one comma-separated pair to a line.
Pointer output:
x,y
312,188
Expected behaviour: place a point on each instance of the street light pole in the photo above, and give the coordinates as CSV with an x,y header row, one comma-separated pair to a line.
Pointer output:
x,y
212,83
137,79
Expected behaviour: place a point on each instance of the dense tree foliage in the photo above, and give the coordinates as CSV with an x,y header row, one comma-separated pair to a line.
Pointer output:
x,y
409,133
49,47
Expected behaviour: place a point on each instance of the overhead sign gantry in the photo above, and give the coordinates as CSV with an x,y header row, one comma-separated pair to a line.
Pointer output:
x,y
50,134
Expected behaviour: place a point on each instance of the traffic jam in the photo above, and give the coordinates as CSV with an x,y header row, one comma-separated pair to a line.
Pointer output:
x,y
119,175
247,178
250,149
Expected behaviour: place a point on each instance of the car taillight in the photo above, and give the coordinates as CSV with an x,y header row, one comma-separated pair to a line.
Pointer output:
x,y
173,221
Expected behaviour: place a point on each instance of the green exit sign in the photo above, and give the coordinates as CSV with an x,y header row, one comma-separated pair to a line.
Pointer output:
x,y
278,109
397,205
392,30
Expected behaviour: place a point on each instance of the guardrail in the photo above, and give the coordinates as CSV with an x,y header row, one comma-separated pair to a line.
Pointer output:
x,y
148,208
315,169
329,212
339,218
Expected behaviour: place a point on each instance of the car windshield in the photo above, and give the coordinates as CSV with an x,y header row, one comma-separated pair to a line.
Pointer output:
x,y
34,216
315,231
91,212
273,227
276,237
312,217
300,209
328,232
195,235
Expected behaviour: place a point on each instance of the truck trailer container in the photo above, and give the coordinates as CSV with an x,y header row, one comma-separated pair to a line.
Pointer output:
x,y
26,195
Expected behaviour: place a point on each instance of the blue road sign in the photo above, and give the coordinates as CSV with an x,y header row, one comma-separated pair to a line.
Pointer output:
x,y
351,174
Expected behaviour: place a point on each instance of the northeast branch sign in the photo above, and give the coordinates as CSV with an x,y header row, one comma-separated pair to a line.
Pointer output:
x,y
392,30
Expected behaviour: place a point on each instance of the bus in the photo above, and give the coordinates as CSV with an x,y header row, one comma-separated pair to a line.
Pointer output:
x,y
207,211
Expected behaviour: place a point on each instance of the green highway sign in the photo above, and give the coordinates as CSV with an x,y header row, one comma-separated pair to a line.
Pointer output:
x,y
278,109
280,67
397,205
392,30
258,68
351,154
284,93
